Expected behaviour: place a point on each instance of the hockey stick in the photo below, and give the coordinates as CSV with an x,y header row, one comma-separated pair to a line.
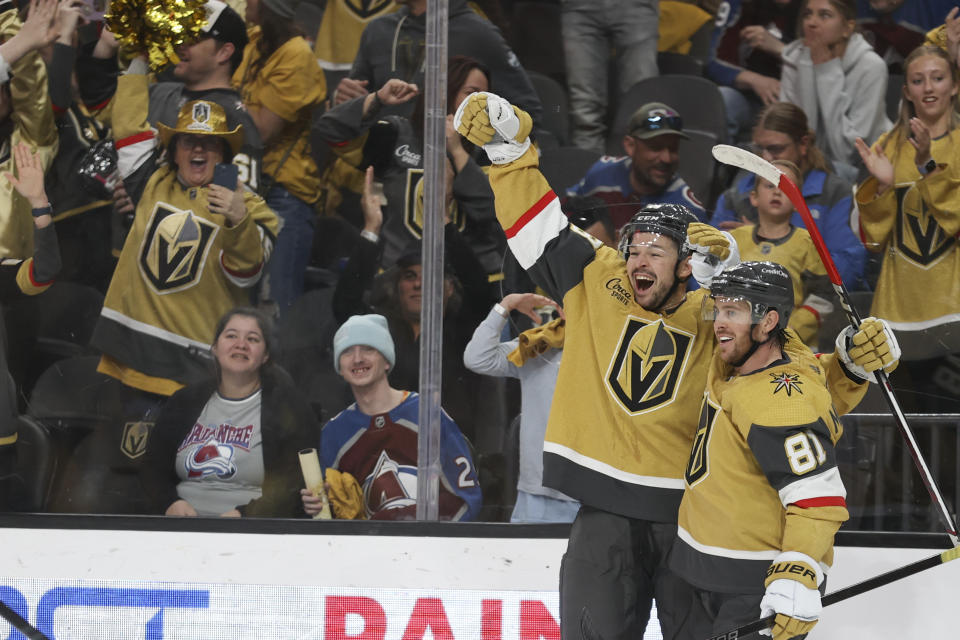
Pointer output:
x,y
18,623
853,590
743,159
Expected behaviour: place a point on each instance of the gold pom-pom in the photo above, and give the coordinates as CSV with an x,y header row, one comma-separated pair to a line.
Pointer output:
x,y
156,27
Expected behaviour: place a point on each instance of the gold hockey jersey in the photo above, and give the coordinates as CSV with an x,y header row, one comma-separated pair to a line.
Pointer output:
x,y
762,475
180,269
811,288
343,22
33,123
916,223
625,407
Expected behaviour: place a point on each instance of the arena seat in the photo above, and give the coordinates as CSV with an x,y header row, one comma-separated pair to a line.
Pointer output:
x,y
553,97
697,100
565,166
36,461
677,64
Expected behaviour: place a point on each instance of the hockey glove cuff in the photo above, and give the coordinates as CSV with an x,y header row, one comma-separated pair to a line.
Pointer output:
x,y
792,594
871,347
487,120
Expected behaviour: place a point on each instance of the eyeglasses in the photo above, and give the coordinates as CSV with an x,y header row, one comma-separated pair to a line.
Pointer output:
x,y
658,123
207,143
772,149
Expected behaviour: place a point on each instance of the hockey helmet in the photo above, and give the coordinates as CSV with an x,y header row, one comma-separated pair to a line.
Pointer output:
x,y
669,220
765,285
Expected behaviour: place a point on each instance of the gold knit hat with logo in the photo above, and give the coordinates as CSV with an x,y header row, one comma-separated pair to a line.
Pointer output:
x,y
203,118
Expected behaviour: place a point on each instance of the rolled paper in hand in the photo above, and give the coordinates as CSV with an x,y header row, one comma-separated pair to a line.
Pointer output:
x,y
313,480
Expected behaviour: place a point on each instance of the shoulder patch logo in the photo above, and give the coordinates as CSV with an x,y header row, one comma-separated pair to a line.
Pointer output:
x,y
789,382
174,248
133,440
413,206
648,365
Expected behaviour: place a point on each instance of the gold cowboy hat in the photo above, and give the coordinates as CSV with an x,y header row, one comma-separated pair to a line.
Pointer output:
x,y
204,118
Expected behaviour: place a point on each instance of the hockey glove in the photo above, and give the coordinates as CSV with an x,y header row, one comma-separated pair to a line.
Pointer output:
x,y
489,121
712,252
791,583
345,494
872,347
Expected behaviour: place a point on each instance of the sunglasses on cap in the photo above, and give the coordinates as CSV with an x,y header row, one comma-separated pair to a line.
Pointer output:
x,y
658,123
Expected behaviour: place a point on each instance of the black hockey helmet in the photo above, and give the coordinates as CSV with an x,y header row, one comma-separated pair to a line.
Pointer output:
x,y
670,220
765,285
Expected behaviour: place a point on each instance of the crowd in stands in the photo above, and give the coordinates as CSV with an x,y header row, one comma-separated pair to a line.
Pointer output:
x,y
217,264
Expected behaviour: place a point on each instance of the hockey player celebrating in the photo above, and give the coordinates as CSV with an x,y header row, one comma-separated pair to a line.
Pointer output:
x,y
636,352
763,454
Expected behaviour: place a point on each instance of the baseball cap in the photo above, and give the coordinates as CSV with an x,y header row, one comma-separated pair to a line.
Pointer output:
x,y
225,25
655,119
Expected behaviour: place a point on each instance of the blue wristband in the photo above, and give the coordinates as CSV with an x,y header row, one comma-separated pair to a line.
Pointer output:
x,y
41,211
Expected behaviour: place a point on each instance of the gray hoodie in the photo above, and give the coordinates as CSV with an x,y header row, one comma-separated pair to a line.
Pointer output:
x,y
844,98
392,47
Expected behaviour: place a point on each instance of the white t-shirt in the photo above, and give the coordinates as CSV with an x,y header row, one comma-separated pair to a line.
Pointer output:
x,y
220,461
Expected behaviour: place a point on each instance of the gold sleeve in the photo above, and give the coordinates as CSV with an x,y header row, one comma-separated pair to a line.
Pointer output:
x,y
845,392
811,530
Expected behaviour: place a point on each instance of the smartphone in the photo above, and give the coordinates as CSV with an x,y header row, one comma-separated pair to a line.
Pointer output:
x,y
226,175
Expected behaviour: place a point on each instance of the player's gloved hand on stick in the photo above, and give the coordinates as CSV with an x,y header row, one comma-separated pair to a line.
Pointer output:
x,y
791,583
712,252
489,121
871,347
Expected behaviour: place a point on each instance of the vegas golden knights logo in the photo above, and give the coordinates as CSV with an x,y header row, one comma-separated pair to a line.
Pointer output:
x,y
413,206
698,466
918,236
648,366
174,248
366,8
133,441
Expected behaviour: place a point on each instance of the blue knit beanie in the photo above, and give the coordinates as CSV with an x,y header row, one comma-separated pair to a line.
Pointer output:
x,y
370,330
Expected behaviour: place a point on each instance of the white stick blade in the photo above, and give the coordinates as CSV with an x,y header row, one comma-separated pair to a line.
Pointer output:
x,y
737,157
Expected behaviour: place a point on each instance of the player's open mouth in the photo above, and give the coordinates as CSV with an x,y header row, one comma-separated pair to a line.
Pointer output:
x,y
359,371
725,338
198,163
643,282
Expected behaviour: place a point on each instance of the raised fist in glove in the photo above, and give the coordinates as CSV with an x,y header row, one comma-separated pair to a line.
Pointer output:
x,y
703,238
489,121
792,594
712,252
871,347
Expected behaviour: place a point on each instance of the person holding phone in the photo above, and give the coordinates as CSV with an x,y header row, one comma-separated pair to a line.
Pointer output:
x,y
193,252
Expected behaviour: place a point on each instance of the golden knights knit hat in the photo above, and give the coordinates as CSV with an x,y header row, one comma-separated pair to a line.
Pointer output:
x,y
655,119
203,118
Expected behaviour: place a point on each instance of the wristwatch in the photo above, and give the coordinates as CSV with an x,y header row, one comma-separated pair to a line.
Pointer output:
x,y
930,165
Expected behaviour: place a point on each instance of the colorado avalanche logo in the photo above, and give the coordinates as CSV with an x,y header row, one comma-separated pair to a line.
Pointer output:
x,y
389,486
210,459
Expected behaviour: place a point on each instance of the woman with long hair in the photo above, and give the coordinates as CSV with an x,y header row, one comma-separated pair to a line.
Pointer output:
x,y
835,76
910,211
281,84
228,446
782,133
